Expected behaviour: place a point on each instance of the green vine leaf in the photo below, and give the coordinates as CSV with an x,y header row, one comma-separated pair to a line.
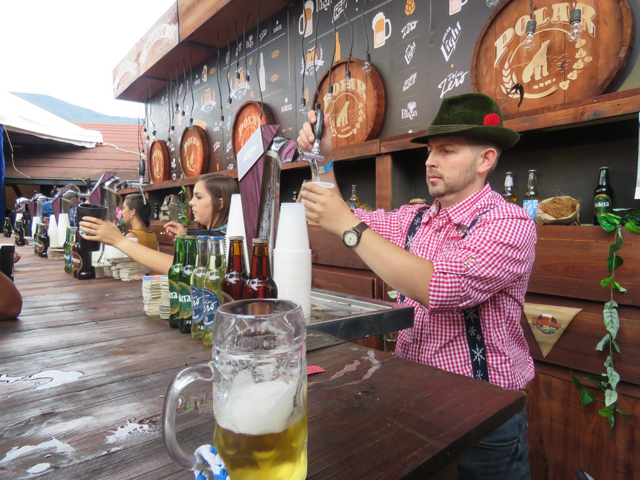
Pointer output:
x,y
620,288
615,247
605,282
611,320
607,412
586,397
632,227
614,377
615,345
603,343
614,262
576,382
610,397
609,221
625,415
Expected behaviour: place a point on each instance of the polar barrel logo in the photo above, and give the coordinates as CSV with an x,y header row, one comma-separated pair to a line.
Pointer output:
x,y
347,110
547,324
550,65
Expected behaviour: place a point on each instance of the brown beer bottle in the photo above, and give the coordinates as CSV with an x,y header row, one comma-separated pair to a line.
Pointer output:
x,y
260,283
236,276
43,239
75,255
18,233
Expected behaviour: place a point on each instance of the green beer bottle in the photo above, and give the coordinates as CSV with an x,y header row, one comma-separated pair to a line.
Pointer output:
x,y
197,285
603,195
212,292
174,278
184,283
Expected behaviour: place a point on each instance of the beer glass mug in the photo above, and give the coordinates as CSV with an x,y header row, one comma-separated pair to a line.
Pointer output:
x,y
306,17
259,376
380,36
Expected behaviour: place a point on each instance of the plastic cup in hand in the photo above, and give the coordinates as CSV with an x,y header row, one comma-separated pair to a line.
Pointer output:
x,y
90,210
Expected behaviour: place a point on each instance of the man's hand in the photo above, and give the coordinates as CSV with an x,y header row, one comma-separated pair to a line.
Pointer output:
x,y
306,136
327,209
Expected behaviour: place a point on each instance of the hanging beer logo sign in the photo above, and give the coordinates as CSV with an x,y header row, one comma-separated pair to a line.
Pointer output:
x,y
159,156
554,65
194,152
355,108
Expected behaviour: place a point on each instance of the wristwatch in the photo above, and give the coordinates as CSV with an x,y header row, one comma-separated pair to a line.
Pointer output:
x,y
351,237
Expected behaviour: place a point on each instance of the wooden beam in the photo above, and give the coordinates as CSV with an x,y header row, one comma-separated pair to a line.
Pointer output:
x,y
384,181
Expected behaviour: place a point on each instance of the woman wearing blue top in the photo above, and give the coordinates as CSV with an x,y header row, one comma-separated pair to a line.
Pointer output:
x,y
209,205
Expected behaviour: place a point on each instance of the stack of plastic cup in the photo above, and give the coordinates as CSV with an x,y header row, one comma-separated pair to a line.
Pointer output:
x,y
63,224
292,257
235,226
52,231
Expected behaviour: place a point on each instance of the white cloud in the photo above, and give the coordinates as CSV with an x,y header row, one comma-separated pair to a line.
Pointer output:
x,y
69,48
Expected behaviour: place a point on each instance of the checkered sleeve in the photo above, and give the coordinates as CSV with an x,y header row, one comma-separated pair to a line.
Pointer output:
x,y
391,225
498,251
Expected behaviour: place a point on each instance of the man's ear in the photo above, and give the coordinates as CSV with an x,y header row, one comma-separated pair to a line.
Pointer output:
x,y
488,158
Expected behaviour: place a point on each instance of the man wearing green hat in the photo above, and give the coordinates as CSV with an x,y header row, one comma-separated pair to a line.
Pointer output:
x,y
463,263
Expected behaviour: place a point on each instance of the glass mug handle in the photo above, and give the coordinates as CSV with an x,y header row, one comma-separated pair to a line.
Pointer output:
x,y
185,377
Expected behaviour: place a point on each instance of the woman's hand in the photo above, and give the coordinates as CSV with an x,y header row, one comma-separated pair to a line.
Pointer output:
x,y
174,228
101,231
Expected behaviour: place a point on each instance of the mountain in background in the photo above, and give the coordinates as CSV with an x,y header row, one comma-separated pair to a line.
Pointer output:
x,y
69,112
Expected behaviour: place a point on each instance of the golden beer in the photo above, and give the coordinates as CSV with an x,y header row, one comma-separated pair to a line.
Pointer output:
x,y
272,456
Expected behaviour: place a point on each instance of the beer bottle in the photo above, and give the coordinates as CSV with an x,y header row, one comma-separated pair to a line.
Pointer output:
x,y
197,285
68,267
174,279
260,283
75,254
509,193
354,201
295,196
184,283
7,226
236,276
43,239
36,237
603,195
18,233
82,262
531,198
212,292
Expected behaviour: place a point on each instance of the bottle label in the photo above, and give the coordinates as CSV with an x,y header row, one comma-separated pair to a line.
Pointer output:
x,y
76,260
197,305
601,204
184,297
211,304
352,204
174,301
40,246
530,206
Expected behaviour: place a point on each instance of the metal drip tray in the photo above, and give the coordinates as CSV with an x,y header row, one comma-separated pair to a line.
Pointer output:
x,y
350,317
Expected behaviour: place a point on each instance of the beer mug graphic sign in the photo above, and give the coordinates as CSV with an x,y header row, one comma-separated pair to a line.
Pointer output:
x,y
305,23
456,5
380,35
259,377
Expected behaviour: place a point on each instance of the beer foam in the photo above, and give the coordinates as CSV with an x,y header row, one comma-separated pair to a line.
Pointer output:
x,y
257,408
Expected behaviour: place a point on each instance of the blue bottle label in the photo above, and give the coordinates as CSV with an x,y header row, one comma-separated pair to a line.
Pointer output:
x,y
197,305
530,206
211,304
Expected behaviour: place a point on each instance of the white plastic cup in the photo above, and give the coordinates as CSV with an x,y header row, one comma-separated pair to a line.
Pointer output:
x,y
52,231
292,228
235,226
328,185
34,223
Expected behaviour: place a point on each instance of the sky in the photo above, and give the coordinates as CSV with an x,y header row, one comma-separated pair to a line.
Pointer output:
x,y
68,48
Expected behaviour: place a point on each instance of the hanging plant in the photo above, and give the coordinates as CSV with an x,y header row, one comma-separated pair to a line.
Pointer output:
x,y
608,382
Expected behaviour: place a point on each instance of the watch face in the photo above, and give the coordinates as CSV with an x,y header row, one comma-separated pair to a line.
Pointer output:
x,y
350,238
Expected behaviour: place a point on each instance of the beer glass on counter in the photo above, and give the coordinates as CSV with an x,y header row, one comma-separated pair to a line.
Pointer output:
x,y
259,377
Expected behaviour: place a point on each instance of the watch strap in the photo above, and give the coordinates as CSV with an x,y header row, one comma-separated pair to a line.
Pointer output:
x,y
361,227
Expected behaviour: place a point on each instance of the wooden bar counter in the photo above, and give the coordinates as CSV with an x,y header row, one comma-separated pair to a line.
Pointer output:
x,y
84,371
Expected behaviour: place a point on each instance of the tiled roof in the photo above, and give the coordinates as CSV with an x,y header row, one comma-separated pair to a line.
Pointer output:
x,y
68,162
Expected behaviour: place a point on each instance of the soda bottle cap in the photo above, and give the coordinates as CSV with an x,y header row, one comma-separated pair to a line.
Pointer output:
x,y
236,239
260,241
203,237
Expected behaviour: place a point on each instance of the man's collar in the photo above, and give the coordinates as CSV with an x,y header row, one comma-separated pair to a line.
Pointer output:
x,y
460,211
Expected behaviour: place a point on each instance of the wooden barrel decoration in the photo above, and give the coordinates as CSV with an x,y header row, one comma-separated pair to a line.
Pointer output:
x,y
247,120
557,68
356,110
159,162
194,151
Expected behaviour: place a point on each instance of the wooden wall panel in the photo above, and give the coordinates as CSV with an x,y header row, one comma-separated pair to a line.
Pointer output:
x,y
563,435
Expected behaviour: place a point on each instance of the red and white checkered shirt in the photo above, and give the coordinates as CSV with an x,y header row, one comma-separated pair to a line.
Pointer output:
x,y
489,267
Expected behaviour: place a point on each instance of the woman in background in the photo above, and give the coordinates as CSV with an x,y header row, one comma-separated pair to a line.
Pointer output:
x,y
136,215
209,205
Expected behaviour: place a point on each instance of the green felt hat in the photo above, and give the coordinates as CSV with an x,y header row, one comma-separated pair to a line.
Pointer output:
x,y
470,115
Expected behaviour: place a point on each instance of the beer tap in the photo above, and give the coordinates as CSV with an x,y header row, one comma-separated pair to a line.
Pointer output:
x,y
314,156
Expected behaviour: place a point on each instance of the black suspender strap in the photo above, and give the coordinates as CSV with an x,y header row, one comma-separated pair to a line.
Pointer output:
x,y
413,229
